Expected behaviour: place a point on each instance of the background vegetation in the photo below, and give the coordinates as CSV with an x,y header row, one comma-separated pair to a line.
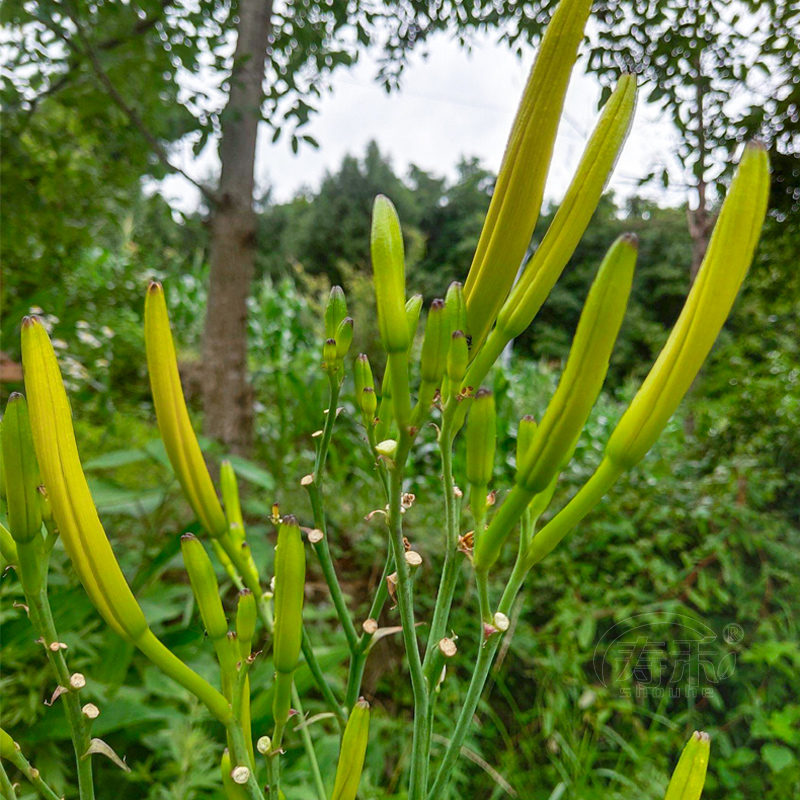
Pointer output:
x,y
707,526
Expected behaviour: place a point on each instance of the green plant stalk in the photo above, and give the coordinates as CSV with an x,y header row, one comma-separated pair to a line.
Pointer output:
x,y
24,766
305,735
5,784
240,752
319,678
274,764
479,675
33,577
419,755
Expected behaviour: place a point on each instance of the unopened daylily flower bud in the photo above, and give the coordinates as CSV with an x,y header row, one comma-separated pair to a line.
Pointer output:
x,y
352,753
388,265
587,365
20,472
246,616
204,585
481,439
368,402
724,267
344,338
362,375
413,310
8,747
173,417
518,192
230,496
690,773
436,344
525,434
8,547
329,354
335,311
290,572
457,359
456,306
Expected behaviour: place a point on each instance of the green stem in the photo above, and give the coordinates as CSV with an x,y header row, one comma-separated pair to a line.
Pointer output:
x,y
274,763
479,676
319,679
33,577
405,597
305,735
242,758
5,784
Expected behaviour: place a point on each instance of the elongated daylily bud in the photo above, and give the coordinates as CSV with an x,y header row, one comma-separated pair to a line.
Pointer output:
x,y
690,774
204,585
76,517
435,346
525,434
230,496
573,215
8,547
329,356
388,265
362,375
246,615
585,371
73,508
344,338
413,311
8,747
456,306
173,417
335,311
290,576
352,753
517,196
726,262
20,472
457,359
481,439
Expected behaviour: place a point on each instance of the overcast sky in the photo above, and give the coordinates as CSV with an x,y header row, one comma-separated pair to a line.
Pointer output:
x,y
453,103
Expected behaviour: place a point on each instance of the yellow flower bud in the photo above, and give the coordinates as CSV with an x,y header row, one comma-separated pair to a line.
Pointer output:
x,y
20,472
587,365
352,753
517,196
388,264
525,434
230,496
173,416
246,616
724,267
456,306
204,585
435,346
690,774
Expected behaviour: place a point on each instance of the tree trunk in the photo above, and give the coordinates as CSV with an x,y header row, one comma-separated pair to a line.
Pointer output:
x,y
227,396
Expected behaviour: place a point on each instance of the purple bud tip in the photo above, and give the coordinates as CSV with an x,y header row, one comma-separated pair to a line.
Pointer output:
x,y
455,285
331,342
368,390
437,304
188,537
289,519
362,357
154,286
483,392
232,635
347,321
29,322
15,397
244,593
529,418
458,334
631,238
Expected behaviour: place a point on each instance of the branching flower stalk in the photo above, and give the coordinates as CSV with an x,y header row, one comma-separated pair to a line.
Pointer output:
x,y
464,334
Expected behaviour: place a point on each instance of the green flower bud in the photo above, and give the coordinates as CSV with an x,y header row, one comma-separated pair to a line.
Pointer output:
x,y
690,774
246,616
388,264
724,267
344,337
518,192
435,346
585,371
368,402
525,434
290,575
204,585
457,359
20,472
335,311
352,753
8,547
362,375
456,306
8,747
230,497
329,353
481,439
413,310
